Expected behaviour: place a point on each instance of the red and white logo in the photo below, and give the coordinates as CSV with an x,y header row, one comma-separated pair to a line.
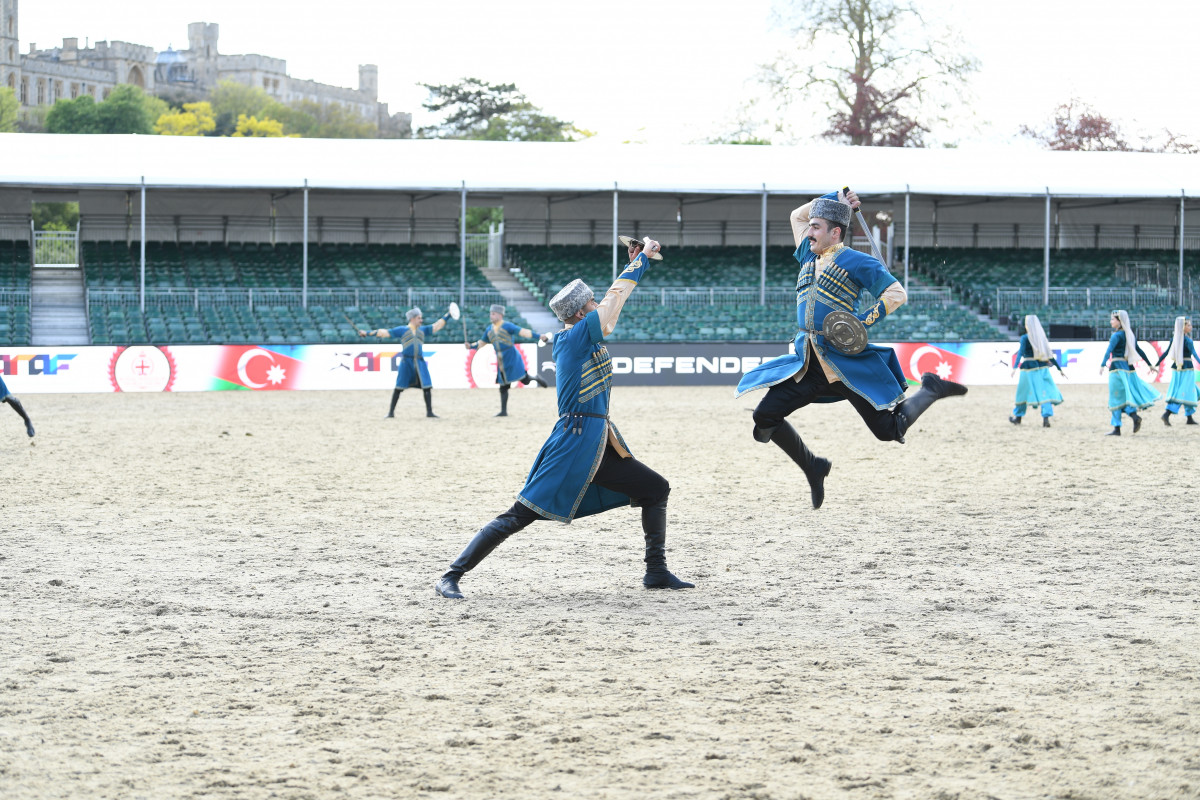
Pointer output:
x,y
142,368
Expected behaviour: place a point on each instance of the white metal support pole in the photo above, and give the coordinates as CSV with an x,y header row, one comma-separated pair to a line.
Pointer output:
x,y
762,281
615,225
142,236
304,252
1046,255
462,247
1182,197
907,198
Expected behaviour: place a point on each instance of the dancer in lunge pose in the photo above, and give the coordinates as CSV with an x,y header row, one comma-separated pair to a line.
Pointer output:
x,y
1182,392
1036,387
1127,393
832,281
585,467
509,366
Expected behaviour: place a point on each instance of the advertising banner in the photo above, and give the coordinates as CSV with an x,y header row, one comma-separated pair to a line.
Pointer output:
x,y
197,368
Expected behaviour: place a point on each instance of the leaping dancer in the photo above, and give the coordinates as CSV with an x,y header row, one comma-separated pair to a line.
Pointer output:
x,y
832,280
509,366
15,405
585,467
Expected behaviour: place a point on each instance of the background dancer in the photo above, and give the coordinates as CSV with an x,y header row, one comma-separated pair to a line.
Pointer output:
x,y
509,364
835,278
1182,391
1127,393
15,403
412,371
1036,387
585,467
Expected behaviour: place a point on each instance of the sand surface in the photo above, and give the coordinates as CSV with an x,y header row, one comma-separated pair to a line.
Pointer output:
x,y
229,595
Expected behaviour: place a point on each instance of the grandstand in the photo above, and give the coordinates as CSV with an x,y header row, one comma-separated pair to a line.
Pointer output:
x,y
226,223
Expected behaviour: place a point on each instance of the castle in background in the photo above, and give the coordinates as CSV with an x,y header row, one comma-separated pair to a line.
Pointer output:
x,y
42,77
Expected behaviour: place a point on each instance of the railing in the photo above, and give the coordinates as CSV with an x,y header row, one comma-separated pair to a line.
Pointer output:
x,y
930,296
713,295
436,298
55,249
14,298
1102,297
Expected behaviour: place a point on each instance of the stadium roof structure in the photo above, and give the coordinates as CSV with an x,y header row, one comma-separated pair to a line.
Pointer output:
x,y
50,161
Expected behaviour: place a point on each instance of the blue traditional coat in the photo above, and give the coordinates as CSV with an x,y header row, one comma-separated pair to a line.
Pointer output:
x,y
412,365
1182,390
1036,385
875,373
3,390
559,485
509,364
1125,388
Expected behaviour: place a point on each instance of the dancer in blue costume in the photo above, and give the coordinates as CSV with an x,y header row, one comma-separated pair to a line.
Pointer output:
x,y
1127,393
585,467
1182,392
835,278
412,372
15,404
509,366
1036,387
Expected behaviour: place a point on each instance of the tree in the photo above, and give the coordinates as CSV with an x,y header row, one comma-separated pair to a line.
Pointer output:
x,y
258,128
881,75
230,100
314,120
129,110
474,109
73,116
194,119
1077,126
9,110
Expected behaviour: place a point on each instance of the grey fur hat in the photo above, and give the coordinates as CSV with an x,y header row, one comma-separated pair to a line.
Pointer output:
x,y
832,210
568,302
497,308
412,312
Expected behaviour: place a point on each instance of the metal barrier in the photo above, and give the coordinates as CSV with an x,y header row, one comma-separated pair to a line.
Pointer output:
x,y
14,298
55,249
1102,297
292,298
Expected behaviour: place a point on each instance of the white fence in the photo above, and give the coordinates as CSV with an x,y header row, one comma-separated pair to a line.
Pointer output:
x,y
55,249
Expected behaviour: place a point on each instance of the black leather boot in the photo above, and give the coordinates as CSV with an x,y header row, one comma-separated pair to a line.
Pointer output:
x,y
503,401
1015,420
654,525
490,537
1116,431
1045,422
392,408
20,409
932,389
541,382
429,404
1137,422
1166,418
814,467
1192,421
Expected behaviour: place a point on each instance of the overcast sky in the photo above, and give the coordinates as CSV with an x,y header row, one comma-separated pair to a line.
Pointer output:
x,y
669,71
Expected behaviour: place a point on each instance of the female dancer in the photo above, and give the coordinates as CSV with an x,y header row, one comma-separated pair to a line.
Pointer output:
x,y
1036,386
1127,393
1182,391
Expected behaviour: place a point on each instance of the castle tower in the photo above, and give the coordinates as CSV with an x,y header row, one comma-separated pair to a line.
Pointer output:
x,y
202,52
368,80
10,48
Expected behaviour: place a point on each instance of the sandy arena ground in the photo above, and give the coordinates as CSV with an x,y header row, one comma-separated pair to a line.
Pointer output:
x,y
230,595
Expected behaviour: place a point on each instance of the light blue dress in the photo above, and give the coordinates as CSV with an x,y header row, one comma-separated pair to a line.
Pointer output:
x,y
1182,392
1126,391
1036,386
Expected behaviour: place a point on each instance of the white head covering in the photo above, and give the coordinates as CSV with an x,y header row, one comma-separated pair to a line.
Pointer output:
x,y
1130,339
1037,338
1177,341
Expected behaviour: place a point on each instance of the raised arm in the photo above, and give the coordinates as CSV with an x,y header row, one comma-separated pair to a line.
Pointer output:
x,y
609,309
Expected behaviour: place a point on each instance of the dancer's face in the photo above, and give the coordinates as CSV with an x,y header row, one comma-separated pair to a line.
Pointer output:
x,y
1115,323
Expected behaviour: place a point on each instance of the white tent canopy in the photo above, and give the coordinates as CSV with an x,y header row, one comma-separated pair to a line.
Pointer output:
x,y
123,161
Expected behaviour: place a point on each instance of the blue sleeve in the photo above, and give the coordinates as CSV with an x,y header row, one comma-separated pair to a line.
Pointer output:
x,y
635,269
1112,344
511,327
1137,347
803,253
427,330
1024,349
397,331
1189,348
1164,355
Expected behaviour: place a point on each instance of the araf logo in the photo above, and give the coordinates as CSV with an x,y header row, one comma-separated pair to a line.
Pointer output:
x,y
39,363
373,362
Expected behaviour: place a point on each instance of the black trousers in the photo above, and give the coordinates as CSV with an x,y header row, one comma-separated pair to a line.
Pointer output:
x,y
644,486
784,398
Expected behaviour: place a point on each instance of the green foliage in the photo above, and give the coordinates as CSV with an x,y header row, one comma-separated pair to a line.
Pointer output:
x,y
480,219
495,112
9,110
55,216
305,118
230,99
127,110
